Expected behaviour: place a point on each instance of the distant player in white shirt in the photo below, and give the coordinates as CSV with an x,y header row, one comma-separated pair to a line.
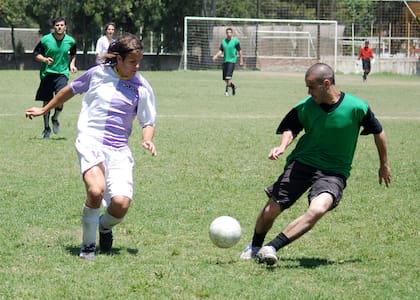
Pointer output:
x,y
103,42
116,94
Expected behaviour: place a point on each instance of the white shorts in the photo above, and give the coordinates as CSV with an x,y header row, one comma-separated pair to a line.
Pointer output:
x,y
118,164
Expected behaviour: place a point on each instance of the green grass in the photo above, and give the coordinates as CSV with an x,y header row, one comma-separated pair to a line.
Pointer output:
x,y
212,161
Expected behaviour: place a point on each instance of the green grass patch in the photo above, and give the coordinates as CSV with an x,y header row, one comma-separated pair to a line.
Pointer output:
x,y
212,161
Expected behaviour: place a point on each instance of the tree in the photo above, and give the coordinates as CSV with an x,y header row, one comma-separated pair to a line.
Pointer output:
x,y
12,12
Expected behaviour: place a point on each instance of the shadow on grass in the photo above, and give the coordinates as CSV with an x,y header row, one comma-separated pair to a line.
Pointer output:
x,y
51,139
222,261
75,251
312,262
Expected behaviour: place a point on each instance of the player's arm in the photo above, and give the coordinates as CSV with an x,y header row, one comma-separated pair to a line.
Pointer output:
x,y
289,128
239,50
73,51
360,53
62,96
39,53
217,55
241,60
384,172
286,139
148,132
371,125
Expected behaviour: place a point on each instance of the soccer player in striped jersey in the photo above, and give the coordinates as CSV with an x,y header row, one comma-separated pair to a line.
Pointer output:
x,y
115,94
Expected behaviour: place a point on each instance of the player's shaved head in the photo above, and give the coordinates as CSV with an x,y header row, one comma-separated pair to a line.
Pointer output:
x,y
321,72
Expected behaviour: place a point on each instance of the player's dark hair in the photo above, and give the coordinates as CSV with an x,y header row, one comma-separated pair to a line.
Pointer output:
x,y
58,19
124,45
107,25
229,29
321,72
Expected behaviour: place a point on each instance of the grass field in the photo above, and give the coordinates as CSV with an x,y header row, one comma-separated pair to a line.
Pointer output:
x,y
212,161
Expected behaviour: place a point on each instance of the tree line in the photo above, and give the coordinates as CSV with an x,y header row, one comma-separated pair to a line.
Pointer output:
x,y
85,18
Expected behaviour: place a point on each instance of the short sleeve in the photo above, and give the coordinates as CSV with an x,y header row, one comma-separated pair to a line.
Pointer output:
x,y
81,84
146,111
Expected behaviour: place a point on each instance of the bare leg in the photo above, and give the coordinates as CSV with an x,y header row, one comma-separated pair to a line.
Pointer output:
x,y
317,209
267,217
94,179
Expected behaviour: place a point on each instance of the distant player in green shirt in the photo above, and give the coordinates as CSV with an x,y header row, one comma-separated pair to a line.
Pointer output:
x,y
230,48
321,161
57,54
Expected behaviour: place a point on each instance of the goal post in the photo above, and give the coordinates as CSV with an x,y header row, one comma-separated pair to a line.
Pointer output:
x,y
267,44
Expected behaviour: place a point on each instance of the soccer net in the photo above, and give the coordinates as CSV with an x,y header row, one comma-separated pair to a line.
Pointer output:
x,y
267,44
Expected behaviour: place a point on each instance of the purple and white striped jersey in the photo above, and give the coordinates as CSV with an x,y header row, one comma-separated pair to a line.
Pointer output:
x,y
111,104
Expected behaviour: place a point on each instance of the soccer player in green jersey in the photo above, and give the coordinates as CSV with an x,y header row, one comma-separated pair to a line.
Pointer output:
x,y
230,48
57,54
321,161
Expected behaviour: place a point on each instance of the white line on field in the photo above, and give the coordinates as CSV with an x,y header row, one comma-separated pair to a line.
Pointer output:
x,y
185,116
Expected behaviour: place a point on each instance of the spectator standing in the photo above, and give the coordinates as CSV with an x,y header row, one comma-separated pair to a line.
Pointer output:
x,y
103,42
366,55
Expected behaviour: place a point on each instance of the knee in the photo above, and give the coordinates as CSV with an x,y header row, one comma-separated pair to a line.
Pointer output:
x,y
271,210
317,212
95,193
120,204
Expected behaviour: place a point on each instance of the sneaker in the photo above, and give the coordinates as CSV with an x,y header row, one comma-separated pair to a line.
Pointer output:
x,y
46,133
226,94
249,252
233,90
105,241
56,126
88,252
268,255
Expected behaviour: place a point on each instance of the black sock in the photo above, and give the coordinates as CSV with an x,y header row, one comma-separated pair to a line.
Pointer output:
x,y
279,242
227,88
57,111
258,239
47,120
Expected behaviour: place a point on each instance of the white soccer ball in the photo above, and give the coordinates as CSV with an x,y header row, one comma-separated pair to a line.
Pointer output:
x,y
225,231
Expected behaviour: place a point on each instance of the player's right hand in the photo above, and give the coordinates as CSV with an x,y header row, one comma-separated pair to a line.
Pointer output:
x,y
275,153
34,112
49,61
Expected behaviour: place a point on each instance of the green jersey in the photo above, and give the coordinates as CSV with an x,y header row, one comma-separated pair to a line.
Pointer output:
x,y
330,137
230,49
57,50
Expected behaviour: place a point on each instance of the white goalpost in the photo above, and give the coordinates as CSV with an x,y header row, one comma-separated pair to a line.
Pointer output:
x,y
267,44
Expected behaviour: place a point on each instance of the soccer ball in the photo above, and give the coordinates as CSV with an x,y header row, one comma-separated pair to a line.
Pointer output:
x,y
225,231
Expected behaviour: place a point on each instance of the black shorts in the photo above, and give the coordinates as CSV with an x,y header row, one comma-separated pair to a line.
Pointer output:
x,y
366,64
228,69
50,85
297,178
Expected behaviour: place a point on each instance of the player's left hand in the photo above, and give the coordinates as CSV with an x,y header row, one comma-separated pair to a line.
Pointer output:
x,y
73,69
148,145
384,174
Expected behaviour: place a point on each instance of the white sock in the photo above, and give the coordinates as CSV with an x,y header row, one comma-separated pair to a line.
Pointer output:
x,y
90,220
106,222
